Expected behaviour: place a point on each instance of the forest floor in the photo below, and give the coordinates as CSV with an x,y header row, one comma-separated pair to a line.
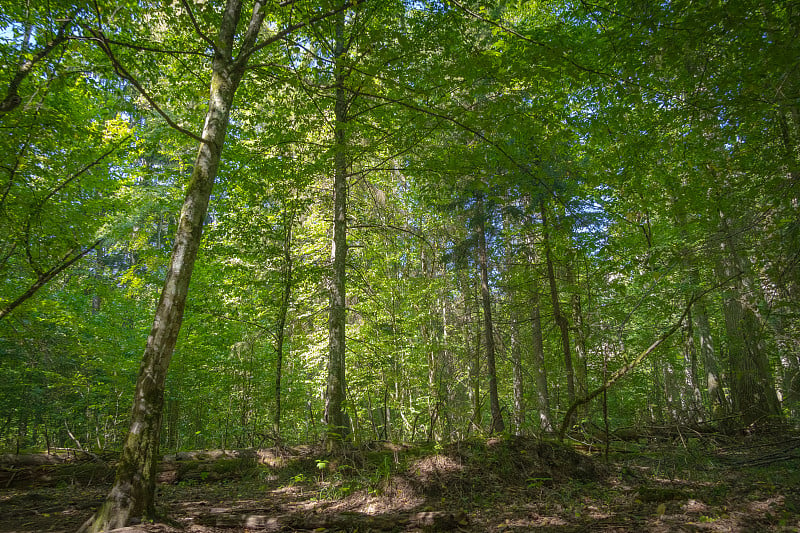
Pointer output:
x,y
510,484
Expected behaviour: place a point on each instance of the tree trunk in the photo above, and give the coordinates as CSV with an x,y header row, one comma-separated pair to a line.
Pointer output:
x,y
581,374
753,394
519,387
283,311
716,394
519,413
335,415
789,345
472,344
537,346
560,318
133,492
537,349
494,401
691,382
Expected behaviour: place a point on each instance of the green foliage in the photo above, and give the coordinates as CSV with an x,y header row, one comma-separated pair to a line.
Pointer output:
x,y
662,140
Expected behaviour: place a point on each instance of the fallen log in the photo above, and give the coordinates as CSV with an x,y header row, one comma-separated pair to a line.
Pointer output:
x,y
257,519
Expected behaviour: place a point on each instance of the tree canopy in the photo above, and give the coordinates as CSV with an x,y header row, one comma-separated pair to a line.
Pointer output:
x,y
411,220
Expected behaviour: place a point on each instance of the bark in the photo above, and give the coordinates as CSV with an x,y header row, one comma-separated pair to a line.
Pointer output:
x,y
560,318
673,392
486,300
519,413
692,387
697,320
753,394
446,396
472,342
335,415
516,363
542,395
283,311
580,361
789,346
716,394
133,492
581,377
537,350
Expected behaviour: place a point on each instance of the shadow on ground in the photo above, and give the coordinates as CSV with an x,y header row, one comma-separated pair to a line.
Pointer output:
x,y
510,484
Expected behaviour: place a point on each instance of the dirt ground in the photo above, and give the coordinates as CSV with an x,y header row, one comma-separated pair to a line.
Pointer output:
x,y
512,484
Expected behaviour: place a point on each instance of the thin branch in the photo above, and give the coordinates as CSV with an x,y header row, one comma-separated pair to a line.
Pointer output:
x,y
197,28
245,54
475,132
12,98
145,48
393,227
256,325
82,171
52,193
517,34
45,277
101,41
627,367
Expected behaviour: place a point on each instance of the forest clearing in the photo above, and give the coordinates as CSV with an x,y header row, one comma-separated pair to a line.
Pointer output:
x,y
518,484
424,259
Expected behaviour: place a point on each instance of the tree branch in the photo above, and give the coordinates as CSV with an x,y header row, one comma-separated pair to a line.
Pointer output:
x,y
627,367
101,41
197,29
475,132
82,171
45,277
245,54
12,98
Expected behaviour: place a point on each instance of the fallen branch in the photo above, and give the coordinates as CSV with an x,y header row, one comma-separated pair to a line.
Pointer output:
x,y
622,372
626,368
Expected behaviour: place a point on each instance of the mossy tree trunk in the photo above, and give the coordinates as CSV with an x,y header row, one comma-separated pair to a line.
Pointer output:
x,y
753,395
335,414
133,492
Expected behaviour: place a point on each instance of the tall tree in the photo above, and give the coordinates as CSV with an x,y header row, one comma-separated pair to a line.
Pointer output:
x,y
133,492
561,319
336,392
497,425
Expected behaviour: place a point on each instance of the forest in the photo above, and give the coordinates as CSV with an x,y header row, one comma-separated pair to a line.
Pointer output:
x,y
379,237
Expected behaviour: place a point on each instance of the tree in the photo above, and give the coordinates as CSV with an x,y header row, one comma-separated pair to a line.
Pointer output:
x,y
336,392
497,425
133,493
425,212
560,317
